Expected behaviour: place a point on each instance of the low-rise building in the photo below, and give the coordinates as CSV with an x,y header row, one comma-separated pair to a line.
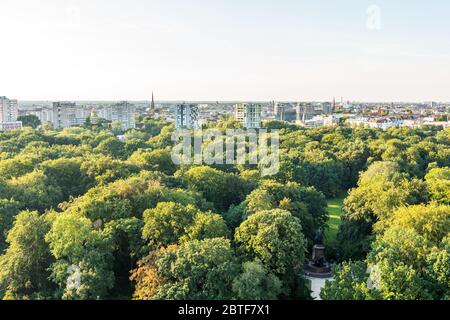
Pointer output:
x,y
382,123
9,126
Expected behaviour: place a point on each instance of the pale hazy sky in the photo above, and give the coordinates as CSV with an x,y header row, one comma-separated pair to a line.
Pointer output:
x,y
225,49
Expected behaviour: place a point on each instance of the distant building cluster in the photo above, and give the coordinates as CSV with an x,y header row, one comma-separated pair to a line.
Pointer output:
x,y
386,122
299,113
192,116
252,115
62,114
9,112
369,115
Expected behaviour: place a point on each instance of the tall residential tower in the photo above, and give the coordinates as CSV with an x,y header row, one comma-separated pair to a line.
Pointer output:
x,y
9,111
186,116
249,114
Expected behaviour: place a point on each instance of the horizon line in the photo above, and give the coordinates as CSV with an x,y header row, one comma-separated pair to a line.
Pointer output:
x,y
227,101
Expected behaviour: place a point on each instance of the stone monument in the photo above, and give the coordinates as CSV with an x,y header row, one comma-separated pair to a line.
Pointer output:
x,y
318,267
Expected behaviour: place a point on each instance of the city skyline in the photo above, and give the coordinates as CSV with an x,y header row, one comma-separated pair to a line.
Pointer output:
x,y
270,101
371,51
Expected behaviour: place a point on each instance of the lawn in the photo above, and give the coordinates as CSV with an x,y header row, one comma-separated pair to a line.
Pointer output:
x,y
334,209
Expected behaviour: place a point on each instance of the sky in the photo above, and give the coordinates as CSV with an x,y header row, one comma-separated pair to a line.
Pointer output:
x,y
222,50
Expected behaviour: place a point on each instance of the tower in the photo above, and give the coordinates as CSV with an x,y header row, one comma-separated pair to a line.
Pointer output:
x,y
186,116
9,110
249,114
152,106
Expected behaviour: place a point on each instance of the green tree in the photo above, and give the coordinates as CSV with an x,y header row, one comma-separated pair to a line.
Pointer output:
x,y
430,221
156,160
305,203
438,184
102,169
221,188
167,223
24,265
77,247
206,226
8,211
409,261
381,190
35,191
111,147
128,247
256,283
195,270
30,121
16,167
172,223
275,238
349,283
67,175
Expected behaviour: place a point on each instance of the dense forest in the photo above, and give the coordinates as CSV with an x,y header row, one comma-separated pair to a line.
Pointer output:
x,y
136,226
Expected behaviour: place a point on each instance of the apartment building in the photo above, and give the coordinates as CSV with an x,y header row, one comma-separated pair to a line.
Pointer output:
x,y
123,112
186,116
249,115
9,111
65,115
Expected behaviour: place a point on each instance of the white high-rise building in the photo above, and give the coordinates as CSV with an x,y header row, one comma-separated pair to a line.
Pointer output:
x,y
123,112
67,114
249,114
9,111
64,115
186,116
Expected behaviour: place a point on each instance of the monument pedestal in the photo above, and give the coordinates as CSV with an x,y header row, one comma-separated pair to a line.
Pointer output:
x,y
318,267
318,252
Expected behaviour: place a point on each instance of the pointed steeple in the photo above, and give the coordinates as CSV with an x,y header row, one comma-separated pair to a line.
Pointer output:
x,y
152,107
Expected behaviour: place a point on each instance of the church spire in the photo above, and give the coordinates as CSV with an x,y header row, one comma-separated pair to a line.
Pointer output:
x,y
153,102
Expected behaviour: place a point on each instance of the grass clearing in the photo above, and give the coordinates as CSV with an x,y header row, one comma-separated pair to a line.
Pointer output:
x,y
335,213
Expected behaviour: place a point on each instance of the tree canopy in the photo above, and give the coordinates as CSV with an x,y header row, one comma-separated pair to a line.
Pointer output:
x,y
97,212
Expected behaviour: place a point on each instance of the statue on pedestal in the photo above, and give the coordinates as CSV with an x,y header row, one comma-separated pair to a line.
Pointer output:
x,y
318,266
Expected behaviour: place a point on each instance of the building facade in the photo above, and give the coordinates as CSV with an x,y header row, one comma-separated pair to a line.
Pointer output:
x,y
122,112
44,114
9,111
65,115
284,112
8,126
304,112
186,116
249,115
